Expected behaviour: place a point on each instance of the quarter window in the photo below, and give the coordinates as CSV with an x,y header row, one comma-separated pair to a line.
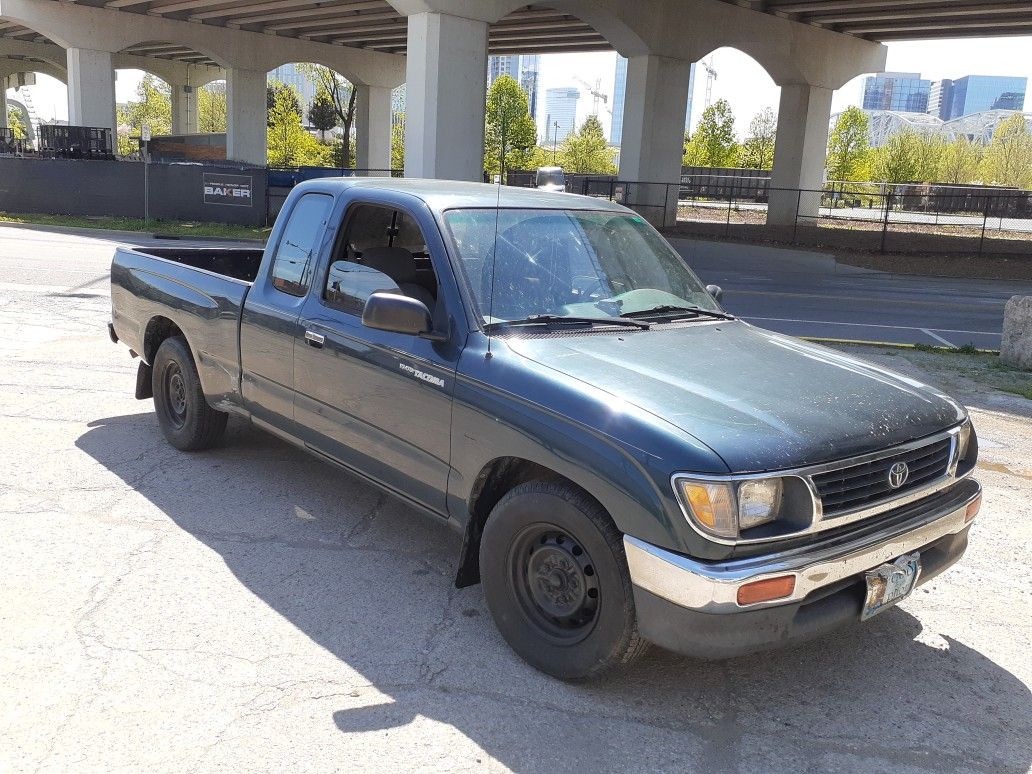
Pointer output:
x,y
292,263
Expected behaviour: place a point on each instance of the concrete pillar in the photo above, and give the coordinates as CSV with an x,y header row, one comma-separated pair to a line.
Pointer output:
x,y
246,131
446,85
3,103
91,89
373,127
653,133
184,109
800,153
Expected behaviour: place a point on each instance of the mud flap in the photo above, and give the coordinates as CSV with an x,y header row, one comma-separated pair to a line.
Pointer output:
x,y
144,388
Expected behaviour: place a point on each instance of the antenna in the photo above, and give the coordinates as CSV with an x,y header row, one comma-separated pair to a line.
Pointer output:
x,y
494,249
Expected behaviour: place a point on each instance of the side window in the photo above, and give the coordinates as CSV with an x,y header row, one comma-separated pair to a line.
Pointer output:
x,y
291,264
380,250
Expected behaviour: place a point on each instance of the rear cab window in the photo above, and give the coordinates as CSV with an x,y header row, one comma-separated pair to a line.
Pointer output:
x,y
293,261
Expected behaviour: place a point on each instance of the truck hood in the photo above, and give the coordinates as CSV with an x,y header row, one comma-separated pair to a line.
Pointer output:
x,y
760,400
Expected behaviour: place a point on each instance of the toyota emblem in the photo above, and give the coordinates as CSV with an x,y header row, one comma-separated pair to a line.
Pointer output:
x,y
898,475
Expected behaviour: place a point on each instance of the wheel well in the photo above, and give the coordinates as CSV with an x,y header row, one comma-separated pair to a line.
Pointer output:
x,y
158,329
495,479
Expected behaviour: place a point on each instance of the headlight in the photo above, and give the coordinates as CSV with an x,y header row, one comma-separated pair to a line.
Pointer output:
x,y
725,508
963,439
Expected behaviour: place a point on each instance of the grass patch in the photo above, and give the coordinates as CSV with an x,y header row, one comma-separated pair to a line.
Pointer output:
x,y
180,228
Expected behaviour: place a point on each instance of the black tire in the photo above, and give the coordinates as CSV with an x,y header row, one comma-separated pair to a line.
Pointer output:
x,y
185,417
555,578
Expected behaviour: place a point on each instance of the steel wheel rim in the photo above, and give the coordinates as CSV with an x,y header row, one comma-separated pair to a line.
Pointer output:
x,y
175,394
555,583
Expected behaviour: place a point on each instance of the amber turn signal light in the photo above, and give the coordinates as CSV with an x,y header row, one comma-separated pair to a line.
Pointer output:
x,y
972,509
766,590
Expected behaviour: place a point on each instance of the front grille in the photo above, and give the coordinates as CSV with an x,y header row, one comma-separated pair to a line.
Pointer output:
x,y
857,486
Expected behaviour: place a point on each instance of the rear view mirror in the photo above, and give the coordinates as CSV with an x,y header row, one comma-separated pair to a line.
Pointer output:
x,y
716,291
398,314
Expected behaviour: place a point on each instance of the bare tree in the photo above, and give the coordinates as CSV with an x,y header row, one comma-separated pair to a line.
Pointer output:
x,y
341,95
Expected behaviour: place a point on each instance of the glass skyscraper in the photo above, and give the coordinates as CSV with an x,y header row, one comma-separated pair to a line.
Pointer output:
x,y
561,109
978,93
901,92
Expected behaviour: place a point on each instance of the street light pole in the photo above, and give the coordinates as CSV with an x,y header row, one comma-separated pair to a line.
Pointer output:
x,y
555,140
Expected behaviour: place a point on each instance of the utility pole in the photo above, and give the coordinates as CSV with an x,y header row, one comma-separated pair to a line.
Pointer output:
x,y
555,141
711,75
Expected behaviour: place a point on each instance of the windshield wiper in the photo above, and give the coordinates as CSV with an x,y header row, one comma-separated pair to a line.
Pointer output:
x,y
664,309
558,319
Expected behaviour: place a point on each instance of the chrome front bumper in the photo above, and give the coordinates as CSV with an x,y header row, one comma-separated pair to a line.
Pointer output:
x,y
713,587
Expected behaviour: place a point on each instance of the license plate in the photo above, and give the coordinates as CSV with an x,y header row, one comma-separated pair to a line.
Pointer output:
x,y
888,583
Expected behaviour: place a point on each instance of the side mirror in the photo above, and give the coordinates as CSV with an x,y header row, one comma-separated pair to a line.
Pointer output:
x,y
398,314
716,291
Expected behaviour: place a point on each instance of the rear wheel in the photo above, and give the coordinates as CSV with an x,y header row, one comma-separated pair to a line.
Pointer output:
x,y
555,577
185,417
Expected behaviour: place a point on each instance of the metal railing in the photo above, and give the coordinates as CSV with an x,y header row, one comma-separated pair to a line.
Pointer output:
x,y
871,217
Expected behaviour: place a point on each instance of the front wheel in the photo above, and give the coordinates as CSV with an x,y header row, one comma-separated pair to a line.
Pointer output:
x,y
185,417
555,577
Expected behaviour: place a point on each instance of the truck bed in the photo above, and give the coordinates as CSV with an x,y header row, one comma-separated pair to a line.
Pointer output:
x,y
238,263
201,292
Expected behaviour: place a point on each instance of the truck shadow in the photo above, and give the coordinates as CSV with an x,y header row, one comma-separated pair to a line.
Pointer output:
x,y
371,582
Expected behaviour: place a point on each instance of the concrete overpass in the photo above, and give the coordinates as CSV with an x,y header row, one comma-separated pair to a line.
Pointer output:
x,y
439,48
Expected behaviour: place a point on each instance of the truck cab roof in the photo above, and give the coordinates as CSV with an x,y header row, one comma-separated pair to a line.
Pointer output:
x,y
440,195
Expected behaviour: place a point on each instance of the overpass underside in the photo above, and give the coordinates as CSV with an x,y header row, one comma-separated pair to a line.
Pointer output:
x,y
439,48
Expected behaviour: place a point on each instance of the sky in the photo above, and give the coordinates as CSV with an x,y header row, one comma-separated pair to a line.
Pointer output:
x,y
740,79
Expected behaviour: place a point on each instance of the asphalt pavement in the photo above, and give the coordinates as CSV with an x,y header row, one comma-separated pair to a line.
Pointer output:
x,y
805,293
250,609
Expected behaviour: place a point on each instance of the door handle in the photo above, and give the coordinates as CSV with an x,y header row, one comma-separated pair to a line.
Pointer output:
x,y
315,339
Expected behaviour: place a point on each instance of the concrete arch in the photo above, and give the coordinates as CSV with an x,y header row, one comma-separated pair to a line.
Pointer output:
x,y
15,66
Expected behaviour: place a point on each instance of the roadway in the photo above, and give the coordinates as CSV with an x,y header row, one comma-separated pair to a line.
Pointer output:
x,y
795,292
805,293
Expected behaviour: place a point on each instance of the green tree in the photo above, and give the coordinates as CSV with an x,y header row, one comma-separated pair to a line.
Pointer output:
x,y
758,149
212,111
15,123
899,160
398,143
273,90
322,115
152,107
290,145
509,134
849,146
342,95
1008,159
930,151
587,151
960,161
713,144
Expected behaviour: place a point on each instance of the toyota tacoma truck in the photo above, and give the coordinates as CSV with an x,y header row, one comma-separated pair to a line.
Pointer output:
x,y
625,461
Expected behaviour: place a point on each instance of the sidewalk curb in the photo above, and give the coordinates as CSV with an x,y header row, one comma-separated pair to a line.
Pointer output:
x,y
889,344
85,231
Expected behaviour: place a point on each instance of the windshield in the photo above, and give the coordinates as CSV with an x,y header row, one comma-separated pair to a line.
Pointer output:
x,y
569,263
550,177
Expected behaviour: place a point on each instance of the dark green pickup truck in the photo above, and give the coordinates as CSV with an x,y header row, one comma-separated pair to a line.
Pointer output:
x,y
625,461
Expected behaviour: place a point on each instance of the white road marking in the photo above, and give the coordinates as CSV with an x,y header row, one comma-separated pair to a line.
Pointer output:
x,y
937,337
868,325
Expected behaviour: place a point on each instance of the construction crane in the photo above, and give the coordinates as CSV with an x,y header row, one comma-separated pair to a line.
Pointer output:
x,y
596,92
711,75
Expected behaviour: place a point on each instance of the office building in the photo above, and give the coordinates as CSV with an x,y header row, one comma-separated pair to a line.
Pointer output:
x,y
560,113
619,94
901,92
497,66
529,70
980,93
